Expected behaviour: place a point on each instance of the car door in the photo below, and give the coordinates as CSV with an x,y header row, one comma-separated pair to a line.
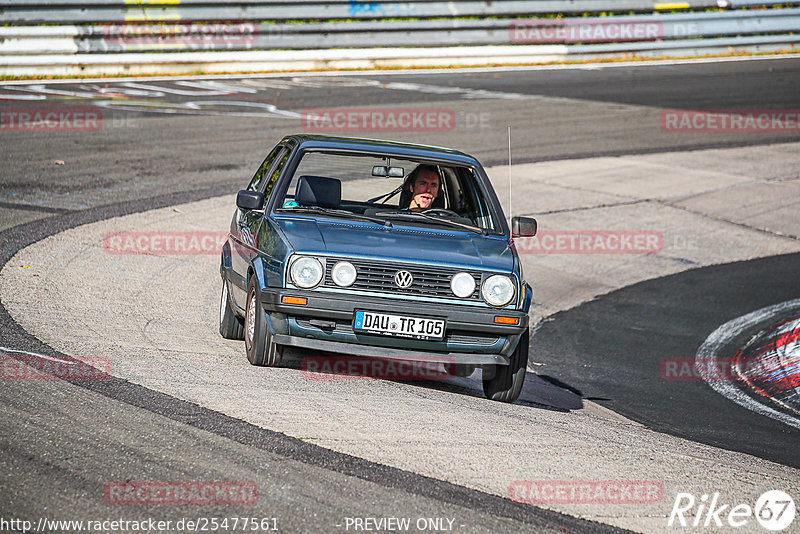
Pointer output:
x,y
246,224
272,249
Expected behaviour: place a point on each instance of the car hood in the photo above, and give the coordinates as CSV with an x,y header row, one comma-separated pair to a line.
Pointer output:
x,y
398,243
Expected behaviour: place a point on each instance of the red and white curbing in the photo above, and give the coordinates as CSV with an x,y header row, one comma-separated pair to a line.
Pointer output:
x,y
708,353
770,364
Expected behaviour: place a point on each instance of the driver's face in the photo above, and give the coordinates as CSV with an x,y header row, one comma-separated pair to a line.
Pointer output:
x,y
425,190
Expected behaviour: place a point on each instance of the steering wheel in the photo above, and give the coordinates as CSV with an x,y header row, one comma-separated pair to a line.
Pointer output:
x,y
441,211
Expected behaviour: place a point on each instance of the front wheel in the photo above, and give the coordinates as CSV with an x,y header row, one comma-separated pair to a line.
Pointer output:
x,y
258,344
506,381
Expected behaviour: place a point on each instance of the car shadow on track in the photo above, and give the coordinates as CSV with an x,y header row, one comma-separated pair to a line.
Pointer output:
x,y
540,392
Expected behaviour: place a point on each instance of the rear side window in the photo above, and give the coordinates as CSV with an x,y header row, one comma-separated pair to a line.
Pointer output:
x,y
471,202
274,171
262,173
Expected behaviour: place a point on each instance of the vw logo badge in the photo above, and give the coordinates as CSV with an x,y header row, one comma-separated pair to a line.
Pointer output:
x,y
403,279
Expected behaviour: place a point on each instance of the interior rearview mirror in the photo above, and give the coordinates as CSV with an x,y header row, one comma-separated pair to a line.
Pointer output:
x,y
523,226
389,172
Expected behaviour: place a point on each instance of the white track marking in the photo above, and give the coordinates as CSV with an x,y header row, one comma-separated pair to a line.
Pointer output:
x,y
707,355
445,90
173,91
788,327
52,359
40,88
196,108
212,85
22,97
269,109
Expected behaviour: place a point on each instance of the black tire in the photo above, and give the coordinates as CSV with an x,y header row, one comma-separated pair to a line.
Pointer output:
x,y
230,326
505,382
258,344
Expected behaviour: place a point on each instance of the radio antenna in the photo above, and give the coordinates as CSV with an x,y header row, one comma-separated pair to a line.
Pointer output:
x,y
510,196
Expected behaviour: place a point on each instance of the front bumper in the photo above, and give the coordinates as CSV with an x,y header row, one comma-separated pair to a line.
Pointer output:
x,y
325,324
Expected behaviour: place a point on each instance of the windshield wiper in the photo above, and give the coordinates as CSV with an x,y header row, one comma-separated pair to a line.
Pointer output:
x,y
411,215
339,213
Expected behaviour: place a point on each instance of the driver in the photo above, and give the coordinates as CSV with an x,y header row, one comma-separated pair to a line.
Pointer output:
x,y
424,184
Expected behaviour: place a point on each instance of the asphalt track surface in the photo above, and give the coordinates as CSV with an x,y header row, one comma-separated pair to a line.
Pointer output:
x,y
163,160
611,350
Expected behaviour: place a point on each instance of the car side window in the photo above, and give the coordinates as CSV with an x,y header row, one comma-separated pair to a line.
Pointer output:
x,y
258,178
274,171
472,203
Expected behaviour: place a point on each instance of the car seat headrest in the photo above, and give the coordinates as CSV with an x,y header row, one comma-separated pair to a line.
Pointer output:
x,y
318,191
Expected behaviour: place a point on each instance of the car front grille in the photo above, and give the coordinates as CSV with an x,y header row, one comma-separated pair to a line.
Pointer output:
x,y
379,277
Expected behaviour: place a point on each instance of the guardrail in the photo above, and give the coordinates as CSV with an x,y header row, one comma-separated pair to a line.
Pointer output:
x,y
98,11
139,36
424,33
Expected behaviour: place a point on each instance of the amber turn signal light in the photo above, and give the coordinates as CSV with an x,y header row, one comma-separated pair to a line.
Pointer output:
x,y
499,319
300,301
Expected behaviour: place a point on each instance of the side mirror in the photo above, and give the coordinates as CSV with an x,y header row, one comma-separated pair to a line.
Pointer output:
x,y
249,200
523,226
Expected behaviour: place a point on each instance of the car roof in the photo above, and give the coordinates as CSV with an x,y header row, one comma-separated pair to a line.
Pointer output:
x,y
380,146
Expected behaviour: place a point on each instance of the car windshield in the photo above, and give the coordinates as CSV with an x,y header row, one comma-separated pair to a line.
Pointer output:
x,y
389,190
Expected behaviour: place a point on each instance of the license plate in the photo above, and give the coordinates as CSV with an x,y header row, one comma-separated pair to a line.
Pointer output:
x,y
399,325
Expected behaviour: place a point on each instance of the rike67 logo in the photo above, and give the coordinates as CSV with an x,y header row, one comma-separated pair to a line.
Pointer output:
x,y
774,510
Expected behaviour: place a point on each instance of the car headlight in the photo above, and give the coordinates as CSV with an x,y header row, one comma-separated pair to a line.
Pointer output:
x,y
343,274
462,285
498,290
306,272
